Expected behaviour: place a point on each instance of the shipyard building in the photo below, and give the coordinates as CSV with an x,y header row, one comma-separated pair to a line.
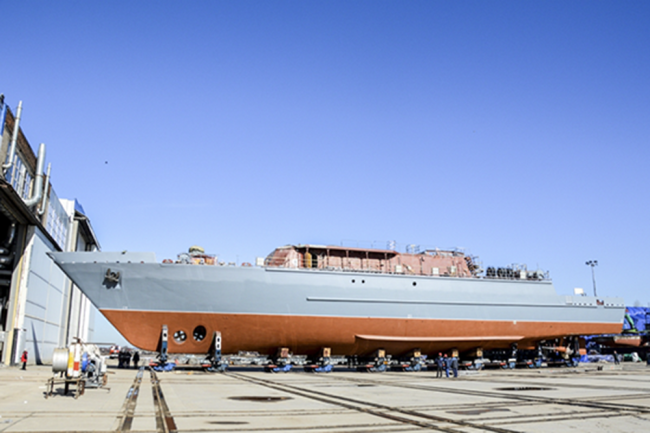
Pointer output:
x,y
40,309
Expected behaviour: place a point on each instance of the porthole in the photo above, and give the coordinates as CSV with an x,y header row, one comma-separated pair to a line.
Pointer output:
x,y
199,333
180,336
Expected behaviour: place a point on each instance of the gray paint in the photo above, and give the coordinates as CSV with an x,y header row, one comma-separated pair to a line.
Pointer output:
x,y
151,286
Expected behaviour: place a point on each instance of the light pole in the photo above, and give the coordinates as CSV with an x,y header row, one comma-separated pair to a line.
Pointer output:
x,y
593,263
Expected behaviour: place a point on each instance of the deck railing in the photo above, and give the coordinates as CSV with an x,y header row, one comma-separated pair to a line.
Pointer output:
x,y
505,273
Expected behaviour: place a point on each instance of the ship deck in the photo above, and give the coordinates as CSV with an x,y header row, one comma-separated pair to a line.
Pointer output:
x,y
616,399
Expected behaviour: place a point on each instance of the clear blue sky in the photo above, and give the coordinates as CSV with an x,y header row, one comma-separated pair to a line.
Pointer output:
x,y
517,130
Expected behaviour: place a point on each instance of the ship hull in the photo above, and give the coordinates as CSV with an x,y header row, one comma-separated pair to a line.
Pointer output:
x,y
261,309
344,335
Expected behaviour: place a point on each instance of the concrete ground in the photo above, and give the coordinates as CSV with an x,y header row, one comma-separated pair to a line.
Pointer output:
x,y
584,399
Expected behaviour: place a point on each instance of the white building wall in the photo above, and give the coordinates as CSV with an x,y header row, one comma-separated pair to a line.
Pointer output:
x,y
91,321
49,311
80,307
41,301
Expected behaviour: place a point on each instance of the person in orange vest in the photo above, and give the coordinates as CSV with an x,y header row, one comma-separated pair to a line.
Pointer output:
x,y
23,358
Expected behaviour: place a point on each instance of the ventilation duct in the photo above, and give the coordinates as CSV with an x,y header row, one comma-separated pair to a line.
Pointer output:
x,y
12,149
37,193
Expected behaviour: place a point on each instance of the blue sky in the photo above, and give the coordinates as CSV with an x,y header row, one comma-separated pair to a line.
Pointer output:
x,y
516,130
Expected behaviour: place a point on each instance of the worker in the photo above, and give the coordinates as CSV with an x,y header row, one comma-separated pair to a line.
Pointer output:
x,y
445,364
135,359
439,364
23,359
124,358
454,366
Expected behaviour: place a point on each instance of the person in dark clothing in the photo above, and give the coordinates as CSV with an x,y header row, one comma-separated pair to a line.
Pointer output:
x,y
124,359
616,361
136,359
454,366
445,364
23,359
439,364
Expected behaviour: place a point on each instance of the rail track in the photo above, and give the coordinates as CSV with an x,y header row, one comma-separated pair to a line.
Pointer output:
x,y
521,376
125,420
494,410
164,420
503,401
521,398
392,413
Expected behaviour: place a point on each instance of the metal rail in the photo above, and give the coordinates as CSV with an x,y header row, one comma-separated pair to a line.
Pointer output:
x,y
503,395
383,411
164,420
406,417
503,375
128,408
599,409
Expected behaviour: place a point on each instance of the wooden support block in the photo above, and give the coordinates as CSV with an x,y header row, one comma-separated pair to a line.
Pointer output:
x,y
283,352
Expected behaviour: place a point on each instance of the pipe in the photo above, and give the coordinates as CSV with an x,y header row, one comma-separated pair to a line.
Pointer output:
x,y
11,235
12,149
41,208
37,192
3,115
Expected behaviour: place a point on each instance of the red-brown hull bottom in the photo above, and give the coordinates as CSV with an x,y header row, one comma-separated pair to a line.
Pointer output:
x,y
621,341
345,335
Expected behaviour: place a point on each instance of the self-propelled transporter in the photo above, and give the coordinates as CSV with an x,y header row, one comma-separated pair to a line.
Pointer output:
x,y
352,300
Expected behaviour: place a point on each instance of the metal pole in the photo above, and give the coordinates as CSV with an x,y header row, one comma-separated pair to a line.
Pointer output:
x,y
593,277
593,263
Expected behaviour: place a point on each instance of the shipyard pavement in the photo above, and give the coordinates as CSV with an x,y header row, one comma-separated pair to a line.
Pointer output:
x,y
583,399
